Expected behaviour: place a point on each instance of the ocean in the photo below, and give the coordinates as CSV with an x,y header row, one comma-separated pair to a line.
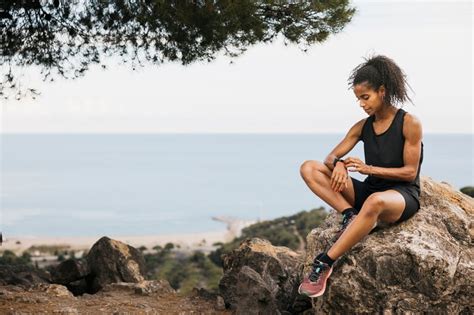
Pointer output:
x,y
143,184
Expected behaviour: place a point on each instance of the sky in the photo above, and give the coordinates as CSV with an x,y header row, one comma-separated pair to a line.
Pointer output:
x,y
272,88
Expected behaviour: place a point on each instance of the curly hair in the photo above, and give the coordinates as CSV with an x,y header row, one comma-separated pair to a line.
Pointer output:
x,y
380,70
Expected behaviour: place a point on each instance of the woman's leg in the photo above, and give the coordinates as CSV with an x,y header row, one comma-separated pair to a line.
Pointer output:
x,y
318,178
386,206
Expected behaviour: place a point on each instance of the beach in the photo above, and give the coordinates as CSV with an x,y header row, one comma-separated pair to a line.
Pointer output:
x,y
193,241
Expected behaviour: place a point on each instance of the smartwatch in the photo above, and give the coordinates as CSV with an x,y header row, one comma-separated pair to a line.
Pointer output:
x,y
337,160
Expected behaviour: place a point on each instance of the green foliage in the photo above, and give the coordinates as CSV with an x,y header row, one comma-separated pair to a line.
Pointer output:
x,y
65,40
169,246
468,190
10,258
183,271
306,221
50,249
285,231
280,233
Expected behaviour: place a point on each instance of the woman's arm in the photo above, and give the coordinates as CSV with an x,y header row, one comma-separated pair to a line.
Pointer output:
x,y
412,131
349,141
339,175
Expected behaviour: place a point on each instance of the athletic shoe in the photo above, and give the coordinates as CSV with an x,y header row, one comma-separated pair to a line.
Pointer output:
x,y
306,278
346,220
315,284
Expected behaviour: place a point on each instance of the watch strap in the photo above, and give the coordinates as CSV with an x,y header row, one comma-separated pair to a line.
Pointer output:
x,y
337,160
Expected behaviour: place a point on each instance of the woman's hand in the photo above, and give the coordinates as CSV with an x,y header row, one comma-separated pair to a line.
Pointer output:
x,y
354,164
339,177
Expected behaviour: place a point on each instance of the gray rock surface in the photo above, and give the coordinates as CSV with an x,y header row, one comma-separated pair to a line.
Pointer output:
x,y
425,264
111,261
69,271
262,279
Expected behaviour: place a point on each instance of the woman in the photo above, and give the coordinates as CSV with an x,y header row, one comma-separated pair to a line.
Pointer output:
x,y
393,155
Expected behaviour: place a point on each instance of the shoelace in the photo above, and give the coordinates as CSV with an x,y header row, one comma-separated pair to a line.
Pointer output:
x,y
346,218
318,268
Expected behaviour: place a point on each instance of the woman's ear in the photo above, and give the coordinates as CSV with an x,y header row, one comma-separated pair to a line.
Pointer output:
x,y
382,90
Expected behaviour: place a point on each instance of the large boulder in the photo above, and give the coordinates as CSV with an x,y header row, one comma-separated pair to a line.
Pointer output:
x,y
108,261
425,264
74,274
70,270
262,279
111,261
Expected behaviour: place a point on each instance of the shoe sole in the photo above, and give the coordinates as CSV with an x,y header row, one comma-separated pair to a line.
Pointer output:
x,y
320,292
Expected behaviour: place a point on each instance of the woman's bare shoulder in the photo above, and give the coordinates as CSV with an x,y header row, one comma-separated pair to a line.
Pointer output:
x,y
356,129
411,119
411,125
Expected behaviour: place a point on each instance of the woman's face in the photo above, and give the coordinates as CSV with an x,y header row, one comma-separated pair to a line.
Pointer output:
x,y
369,99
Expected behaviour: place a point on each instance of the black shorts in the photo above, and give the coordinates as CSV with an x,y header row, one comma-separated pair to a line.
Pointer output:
x,y
362,190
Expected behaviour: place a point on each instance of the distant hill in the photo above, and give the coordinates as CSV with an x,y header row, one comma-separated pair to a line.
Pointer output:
x,y
287,231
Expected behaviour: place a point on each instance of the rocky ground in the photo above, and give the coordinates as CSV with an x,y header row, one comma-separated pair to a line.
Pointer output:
x,y
109,281
124,298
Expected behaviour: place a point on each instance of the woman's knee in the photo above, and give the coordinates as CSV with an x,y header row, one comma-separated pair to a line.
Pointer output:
x,y
373,205
308,168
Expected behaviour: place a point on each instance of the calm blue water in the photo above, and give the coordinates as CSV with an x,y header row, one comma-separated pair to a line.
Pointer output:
x,y
71,185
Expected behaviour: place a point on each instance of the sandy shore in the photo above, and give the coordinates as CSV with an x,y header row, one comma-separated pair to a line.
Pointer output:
x,y
189,241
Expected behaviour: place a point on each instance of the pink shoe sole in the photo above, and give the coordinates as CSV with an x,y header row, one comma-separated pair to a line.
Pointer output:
x,y
320,292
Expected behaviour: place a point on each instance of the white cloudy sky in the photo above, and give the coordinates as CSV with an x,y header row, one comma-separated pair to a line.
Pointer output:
x,y
273,88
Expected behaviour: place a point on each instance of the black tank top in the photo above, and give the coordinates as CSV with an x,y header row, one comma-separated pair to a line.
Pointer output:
x,y
386,150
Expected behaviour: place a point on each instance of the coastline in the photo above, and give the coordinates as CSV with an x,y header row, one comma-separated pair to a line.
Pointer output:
x,y
190,241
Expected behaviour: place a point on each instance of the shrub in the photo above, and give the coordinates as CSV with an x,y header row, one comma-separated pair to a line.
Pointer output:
x,y
468,190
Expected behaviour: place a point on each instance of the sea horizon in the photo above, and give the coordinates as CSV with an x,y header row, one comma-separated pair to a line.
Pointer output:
x,y
167,183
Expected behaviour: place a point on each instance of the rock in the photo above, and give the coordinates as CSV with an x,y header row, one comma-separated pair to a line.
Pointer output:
x,y
72,273
69,271
55,290
147,287
22,275
153,287
425,264
220,304
209,296
111,261
66,310
78,287
261,279
58,291
108,261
